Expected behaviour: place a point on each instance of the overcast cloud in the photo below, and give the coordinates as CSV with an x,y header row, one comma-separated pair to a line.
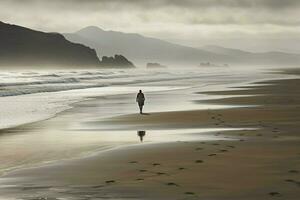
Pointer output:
x,y
256,25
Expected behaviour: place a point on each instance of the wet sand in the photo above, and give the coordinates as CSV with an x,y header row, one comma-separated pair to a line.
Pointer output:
x,y
263,163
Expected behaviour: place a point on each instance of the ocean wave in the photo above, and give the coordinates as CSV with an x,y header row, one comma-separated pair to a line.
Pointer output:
x,y
23,83
66,80
44,88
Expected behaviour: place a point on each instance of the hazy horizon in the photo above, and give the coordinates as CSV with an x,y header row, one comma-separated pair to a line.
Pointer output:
x,y
252,25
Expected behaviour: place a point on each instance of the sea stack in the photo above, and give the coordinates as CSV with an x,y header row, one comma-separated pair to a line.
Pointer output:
x,y
118,61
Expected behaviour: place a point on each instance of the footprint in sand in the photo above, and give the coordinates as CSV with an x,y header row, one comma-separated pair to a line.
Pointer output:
x,y
161,173
133,162
215,144
36,187
213,154
274,194
199,161
230,146
143,170
110,181
290,180
42,198
294,171
139,179
172,184
293,181
181,168
189,193
156,164
97,186
223,150
198,149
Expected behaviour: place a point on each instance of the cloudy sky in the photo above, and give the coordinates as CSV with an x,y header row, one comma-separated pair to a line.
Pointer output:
x,y
257,25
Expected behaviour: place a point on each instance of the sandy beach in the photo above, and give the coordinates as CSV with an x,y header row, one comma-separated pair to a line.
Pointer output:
x,y
149,100
260,160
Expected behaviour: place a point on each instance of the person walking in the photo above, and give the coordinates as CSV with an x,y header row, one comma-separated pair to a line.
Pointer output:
x,y
140,99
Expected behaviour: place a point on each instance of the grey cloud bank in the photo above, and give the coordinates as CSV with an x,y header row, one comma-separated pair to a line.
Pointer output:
x,y
274,24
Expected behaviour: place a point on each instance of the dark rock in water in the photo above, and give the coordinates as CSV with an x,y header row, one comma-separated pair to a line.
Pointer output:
x,y
118,61
155,66
209,64
23,47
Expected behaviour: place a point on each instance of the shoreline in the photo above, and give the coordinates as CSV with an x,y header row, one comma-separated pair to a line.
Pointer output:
x,y
268,157
87,98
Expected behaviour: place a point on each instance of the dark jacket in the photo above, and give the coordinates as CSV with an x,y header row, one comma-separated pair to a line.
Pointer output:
x,y
140,98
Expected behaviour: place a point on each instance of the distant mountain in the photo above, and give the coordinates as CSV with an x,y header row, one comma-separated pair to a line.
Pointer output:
x,y
267,58
141,49
28,48
144,50
225,51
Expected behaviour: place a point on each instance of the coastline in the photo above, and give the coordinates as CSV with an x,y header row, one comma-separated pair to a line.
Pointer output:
x,y
188,169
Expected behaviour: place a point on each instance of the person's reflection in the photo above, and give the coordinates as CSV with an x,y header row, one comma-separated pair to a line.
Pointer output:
x,y
141,134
